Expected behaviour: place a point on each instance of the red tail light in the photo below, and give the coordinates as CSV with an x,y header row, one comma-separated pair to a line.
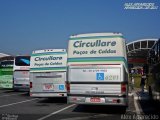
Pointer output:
x,y
123,88
30,84
68,87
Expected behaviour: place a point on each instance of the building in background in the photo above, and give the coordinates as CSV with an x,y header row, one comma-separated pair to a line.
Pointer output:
x,y
137,52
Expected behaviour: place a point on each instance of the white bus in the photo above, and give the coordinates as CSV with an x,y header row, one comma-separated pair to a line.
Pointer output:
x,y
21,73
97,69
48,73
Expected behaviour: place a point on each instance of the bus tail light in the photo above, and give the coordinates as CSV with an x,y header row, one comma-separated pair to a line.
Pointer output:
x,y
123,88
68,87
30,84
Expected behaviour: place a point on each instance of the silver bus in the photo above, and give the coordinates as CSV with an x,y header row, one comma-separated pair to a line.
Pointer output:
x,y
97,69
21,72
48,73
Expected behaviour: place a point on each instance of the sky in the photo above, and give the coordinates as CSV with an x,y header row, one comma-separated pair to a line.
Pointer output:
x,y
27,25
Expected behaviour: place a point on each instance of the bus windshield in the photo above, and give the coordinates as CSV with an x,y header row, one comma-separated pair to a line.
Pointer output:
x,y
22,61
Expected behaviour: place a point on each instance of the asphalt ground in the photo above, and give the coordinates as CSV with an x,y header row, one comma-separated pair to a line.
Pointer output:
x,y
20,106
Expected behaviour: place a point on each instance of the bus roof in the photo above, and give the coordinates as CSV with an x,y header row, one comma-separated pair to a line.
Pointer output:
x,y
49,50
22,56
6,60
96,34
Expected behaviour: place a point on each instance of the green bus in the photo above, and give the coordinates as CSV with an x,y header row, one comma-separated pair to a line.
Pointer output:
x,y
6,74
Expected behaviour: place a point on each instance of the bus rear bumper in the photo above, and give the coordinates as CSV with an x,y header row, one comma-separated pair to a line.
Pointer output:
x,y
34,94
115,101
21,87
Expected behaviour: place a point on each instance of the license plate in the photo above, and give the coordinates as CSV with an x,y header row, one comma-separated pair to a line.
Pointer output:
x,y
95,100
48,87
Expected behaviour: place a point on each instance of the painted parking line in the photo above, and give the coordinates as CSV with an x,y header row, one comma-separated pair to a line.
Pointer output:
x,y
17,103
137,107
12,94
53,113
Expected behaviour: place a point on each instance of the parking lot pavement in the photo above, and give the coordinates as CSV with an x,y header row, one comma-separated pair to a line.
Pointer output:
x,y
22,107
26,107
95,112
12,97
146,107
4,91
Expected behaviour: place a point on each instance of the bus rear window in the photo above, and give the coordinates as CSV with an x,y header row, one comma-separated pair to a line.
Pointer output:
x,y
22,61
